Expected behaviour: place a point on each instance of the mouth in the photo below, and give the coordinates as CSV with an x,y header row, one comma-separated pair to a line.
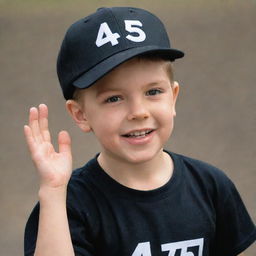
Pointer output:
x,y
138,134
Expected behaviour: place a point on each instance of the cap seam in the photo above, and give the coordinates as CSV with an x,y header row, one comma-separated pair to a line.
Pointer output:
x,y
66,93
118,25
68,50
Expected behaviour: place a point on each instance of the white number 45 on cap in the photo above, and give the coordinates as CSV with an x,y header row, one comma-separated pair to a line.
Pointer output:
x,y
105,35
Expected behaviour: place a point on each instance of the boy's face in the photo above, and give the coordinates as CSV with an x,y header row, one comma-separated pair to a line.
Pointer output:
x,y
130,110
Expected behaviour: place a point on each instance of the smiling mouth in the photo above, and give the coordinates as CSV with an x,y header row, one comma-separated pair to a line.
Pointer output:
x,y
137,134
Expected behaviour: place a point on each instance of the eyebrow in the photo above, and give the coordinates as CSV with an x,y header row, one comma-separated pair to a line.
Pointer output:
x,y
100,91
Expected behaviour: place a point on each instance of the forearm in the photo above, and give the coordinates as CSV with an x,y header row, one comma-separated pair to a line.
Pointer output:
x,y
53,231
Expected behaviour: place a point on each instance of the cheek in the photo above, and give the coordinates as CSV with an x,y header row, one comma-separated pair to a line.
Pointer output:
x,y
168,124
165,116
166,109
106,137
105,126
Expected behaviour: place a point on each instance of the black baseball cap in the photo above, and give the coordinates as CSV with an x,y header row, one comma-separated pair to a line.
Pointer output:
x,y
96,44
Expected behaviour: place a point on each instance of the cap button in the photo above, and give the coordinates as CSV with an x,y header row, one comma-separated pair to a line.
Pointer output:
x,y
131,10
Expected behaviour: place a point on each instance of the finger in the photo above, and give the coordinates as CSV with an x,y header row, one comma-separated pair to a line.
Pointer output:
x,y
43,122
29,139
64,141
34,124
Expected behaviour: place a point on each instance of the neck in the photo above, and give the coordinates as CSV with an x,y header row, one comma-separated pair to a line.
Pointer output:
x,y
141,176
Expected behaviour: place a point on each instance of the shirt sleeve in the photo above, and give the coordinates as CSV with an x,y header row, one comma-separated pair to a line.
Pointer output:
x,y
235,230
81,243
80,231
31,229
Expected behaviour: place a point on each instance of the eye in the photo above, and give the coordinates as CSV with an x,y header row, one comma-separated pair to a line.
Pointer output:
x,y
113,99
153,92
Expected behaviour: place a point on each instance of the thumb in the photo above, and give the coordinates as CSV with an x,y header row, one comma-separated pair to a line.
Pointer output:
x,y
64,141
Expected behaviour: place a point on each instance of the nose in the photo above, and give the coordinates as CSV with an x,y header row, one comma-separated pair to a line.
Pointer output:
x,y
137,110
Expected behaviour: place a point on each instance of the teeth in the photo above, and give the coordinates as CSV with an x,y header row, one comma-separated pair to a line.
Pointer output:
x,y
138,134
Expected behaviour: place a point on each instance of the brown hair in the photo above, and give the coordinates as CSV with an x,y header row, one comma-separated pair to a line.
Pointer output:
x,y
152,56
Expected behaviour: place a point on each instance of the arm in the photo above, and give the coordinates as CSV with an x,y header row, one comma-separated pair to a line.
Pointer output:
x,y
54,169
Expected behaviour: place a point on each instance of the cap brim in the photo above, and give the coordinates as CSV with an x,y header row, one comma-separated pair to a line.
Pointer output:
x,y
91,76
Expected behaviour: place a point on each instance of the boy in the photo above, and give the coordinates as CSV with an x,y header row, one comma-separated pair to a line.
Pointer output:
x,y
134,198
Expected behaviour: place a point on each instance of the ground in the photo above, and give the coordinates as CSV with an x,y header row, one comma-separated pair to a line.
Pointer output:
x,y
215,120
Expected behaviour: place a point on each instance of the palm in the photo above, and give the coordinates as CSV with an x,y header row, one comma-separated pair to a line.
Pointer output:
x,y
54,167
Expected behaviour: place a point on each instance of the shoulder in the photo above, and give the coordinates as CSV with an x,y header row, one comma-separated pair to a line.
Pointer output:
x,y
81,186
205,175
83,175
199,167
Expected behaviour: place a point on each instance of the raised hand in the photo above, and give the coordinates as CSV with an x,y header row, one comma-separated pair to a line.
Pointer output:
x,y
54,168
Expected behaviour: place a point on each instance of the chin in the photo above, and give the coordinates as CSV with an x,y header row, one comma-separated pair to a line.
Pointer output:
x,y
142,157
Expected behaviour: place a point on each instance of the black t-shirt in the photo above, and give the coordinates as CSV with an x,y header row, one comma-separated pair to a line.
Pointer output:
x,y
198,212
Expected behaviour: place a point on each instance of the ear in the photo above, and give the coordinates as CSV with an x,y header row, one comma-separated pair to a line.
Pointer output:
x,y
76,110
175,93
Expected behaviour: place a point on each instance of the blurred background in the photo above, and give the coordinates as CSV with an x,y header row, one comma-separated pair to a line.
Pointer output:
x,y
216,120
